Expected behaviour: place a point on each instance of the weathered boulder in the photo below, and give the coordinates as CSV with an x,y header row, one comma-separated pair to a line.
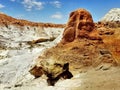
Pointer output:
x,y
54,70
80,24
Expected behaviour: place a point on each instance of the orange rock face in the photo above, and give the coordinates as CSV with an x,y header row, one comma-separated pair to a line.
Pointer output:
x,y
80,24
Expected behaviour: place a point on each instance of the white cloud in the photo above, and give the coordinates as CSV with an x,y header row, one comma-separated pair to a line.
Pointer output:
x,y
57,4
1,6
57,15
12,0
30,4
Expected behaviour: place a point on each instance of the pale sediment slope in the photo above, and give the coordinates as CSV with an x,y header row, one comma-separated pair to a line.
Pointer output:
x,y
16,54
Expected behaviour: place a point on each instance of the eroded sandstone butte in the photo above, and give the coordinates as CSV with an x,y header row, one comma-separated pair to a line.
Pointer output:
x,y
80,25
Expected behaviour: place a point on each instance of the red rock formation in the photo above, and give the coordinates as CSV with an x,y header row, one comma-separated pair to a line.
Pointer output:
x,y
80,24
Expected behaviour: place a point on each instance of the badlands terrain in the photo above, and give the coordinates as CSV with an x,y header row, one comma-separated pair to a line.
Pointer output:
x,y
91,50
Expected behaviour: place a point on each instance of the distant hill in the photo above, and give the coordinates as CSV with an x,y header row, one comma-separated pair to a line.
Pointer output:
x,y
8,20
112,15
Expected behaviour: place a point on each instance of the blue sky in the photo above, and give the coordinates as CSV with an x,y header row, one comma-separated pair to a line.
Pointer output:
x,y
55,11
